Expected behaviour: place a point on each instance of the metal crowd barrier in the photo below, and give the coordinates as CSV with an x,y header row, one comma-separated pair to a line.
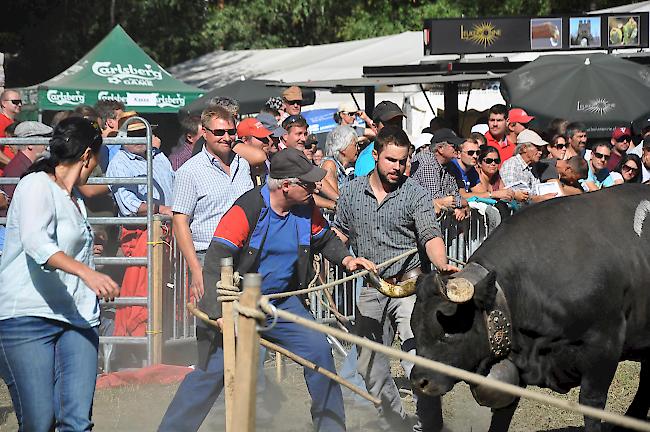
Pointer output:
x,y
169,322
153,301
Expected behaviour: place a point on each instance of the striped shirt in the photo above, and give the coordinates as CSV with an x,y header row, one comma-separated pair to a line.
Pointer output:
x,y
204,192
181,154
380,231
130,197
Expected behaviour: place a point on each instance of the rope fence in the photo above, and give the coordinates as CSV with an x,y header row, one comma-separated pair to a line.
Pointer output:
x,y
258,309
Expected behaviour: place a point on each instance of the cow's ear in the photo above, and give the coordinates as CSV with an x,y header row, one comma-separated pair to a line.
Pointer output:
x,y
485,291
428,285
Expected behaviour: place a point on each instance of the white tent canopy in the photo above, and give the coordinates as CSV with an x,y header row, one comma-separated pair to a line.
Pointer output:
x,y
336,61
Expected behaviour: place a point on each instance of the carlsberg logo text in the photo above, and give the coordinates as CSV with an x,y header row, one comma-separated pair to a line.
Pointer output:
x,y
67,98
127,74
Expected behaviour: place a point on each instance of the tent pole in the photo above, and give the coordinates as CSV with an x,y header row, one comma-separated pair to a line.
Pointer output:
x,y
427,98
355,101
451,104
369,100
469,90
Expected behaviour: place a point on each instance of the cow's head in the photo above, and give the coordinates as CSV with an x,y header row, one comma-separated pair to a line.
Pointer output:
x,y
449,325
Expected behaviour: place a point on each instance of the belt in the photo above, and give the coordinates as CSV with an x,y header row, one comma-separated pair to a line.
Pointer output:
x,y
411,274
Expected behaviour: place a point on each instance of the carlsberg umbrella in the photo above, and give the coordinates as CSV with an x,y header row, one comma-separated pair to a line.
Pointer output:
x,y
597,89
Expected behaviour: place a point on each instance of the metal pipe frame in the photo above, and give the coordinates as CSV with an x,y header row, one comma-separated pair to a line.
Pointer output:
x,y
113,141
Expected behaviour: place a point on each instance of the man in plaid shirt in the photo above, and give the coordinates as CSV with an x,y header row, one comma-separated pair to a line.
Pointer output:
x,y
428,169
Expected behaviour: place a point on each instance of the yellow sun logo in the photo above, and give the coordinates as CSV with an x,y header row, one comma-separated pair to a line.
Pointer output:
x,y
485,34
482,34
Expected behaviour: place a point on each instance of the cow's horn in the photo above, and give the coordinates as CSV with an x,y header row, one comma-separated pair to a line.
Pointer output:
x,y
458,290
395,291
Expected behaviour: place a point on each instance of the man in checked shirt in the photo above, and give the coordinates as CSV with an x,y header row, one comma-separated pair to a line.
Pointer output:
x,y
428,169
382,215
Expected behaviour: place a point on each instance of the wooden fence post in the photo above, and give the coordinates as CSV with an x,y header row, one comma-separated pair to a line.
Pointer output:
x,y
157,291
228,343
248,352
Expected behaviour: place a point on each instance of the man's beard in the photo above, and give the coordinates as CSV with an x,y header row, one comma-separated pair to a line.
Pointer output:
x,y
392,183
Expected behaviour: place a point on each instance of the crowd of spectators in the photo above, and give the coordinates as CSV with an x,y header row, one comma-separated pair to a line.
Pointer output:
x,y
220,156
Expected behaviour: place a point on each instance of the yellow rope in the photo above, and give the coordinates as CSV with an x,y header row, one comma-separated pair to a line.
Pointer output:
x,y
461,374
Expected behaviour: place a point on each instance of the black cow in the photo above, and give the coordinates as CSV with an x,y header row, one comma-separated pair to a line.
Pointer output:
x,y
574,274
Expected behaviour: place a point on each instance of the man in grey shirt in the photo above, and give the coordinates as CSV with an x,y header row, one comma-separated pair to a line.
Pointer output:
x,y
383,215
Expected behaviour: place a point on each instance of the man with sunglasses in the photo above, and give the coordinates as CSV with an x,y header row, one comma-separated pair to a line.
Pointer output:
x,y
518,119
463,166
599,176
621,140
291,101
10,106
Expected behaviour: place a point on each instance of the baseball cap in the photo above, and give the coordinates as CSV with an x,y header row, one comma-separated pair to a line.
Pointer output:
x,y
252,127
528,136
622,131
448,136
481,128
269,122
32,129
518,115
134,126
422,140
347,107
290,163
386,110
292,93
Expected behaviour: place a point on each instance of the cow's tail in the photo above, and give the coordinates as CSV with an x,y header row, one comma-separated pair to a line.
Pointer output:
x,y
639,216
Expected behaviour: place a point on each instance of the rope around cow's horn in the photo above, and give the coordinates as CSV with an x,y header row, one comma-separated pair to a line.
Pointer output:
x,y
462,374
300,360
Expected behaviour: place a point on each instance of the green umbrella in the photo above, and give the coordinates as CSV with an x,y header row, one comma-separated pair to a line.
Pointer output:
x,y
597,89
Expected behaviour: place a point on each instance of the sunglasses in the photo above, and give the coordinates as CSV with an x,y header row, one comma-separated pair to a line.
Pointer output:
x,y
293,102
471,152
221,132
351,114
623,138
559,146
601,156
15,101
630,168
491,161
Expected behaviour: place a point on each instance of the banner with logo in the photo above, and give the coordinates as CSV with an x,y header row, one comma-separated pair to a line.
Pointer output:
x,y
523,34
117,69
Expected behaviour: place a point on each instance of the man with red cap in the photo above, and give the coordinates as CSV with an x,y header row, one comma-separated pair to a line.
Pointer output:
x,y
252,132
517,121
621,140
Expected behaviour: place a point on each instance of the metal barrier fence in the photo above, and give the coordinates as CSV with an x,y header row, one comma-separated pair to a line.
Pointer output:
x,y
461,239
169,322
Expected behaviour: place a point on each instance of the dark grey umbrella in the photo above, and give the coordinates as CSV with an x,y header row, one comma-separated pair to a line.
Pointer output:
x,y
597,89
251,95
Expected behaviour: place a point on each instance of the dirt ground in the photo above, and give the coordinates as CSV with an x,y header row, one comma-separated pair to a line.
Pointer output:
x,y
141,408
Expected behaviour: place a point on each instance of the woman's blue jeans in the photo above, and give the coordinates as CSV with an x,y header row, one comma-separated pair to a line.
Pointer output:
x,y
50,368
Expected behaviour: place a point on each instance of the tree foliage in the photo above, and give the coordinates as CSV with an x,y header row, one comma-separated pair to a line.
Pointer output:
x,y
44,37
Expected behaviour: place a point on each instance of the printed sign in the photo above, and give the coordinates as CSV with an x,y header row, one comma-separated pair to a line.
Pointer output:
x,y
128,74
65,98
523,34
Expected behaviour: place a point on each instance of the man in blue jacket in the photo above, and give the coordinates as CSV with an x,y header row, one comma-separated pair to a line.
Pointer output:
x,y
273,230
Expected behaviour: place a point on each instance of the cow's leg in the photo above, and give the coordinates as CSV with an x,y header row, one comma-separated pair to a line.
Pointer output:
x,y
641,403
594,385
502,417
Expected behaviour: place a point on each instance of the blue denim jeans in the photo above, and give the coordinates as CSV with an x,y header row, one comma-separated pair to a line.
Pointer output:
x,y
50,368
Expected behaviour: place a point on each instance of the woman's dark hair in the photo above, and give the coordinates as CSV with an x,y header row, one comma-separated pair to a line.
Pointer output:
x,y
486,150
70,139
637,160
